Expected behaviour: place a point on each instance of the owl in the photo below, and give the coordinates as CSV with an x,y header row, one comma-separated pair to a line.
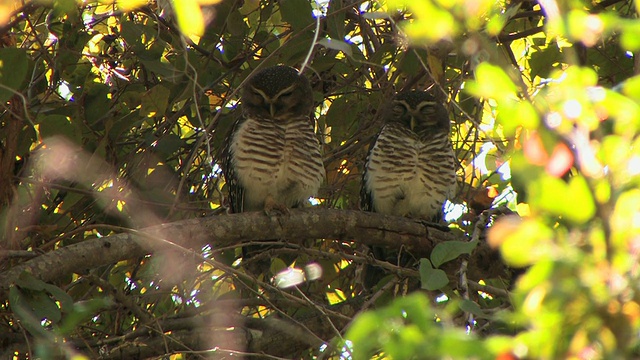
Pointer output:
x,y
410,168
273,159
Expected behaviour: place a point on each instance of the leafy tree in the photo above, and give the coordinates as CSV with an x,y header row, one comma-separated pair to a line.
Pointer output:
x,y
116,243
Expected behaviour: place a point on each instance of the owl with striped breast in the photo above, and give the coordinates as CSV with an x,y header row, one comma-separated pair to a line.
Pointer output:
x,y
410,168
273,160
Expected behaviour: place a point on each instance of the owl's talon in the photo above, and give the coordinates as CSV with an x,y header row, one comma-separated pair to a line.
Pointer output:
x,y
275,211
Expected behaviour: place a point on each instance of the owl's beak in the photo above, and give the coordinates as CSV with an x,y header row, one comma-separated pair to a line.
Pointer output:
x,y
272,110
413,123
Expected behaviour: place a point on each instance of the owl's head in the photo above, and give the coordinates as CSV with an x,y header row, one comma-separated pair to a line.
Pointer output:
x,y
420,112
278,93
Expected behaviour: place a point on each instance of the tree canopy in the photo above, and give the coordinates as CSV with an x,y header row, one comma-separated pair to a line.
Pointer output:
x,y
116,242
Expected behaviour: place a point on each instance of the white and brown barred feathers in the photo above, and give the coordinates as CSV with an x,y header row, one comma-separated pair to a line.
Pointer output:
x,y
272,150
410,168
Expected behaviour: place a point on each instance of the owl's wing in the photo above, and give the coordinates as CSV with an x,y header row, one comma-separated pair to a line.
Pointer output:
x,y
236,191
366,199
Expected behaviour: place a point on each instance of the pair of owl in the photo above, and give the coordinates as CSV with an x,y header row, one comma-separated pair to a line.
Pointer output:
x,y
273,160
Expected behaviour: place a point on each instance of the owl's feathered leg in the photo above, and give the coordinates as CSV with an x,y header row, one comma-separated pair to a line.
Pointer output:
x,y
271,207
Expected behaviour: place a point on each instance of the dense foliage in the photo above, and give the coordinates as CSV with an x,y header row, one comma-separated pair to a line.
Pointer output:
x,y
112,123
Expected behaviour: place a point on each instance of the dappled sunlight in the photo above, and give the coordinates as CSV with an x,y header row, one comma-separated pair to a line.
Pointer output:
x,y
127,233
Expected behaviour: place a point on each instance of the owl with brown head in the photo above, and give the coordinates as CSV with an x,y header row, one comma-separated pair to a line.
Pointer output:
x,y
410,168
273,158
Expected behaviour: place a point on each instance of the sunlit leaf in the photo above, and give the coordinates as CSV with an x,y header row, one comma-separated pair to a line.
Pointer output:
x,y
127,5
630,37
577,204
336,45
189,17
359,333
492,82
585,27
521,242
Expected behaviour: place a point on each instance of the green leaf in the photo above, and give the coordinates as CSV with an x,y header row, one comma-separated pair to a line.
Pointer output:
x,y
155,101
343,116
53,125
236,24
66,302
577,203
166,70
96,104
34,305
473,308
542,61
277,265
492,82
360,334
432,22
143,40
81,312
28,281
19,304
624,110
449,250
581,199
410,62
430,278
168,145
335,19
297,13
522,242
630,39
189,16
13,71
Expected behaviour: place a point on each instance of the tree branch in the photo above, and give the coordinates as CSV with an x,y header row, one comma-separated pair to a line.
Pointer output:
x,y
234,229
275,335
505,38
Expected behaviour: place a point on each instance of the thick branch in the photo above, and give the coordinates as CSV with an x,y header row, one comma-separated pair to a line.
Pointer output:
x,y
222,231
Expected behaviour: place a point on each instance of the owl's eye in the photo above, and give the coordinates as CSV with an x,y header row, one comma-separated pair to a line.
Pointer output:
x,y
286,94
258,94
398,109
428,110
